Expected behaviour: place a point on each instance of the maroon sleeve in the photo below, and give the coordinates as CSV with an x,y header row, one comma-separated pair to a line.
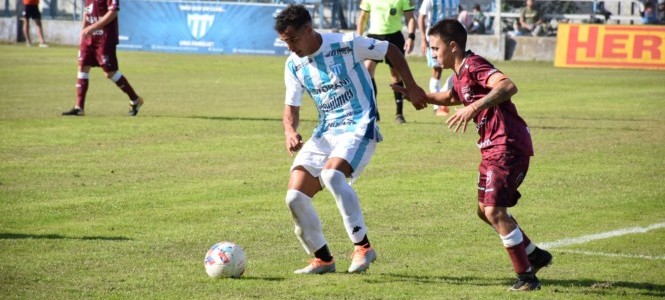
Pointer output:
x,y
481,70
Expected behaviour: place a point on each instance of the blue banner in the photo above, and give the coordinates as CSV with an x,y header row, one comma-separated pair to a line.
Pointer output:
x,y
200,27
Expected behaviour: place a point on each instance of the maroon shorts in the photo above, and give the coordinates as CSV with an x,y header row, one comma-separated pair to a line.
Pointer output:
x,y
99,54
499,176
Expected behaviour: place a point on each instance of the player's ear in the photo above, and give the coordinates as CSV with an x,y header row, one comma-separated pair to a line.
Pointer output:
x,y
453,46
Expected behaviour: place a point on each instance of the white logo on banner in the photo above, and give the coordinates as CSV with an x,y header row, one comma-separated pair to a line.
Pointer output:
x,y
199,24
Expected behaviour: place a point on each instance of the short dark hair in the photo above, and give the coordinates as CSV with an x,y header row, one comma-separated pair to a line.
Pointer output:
x,y
450,30
293,15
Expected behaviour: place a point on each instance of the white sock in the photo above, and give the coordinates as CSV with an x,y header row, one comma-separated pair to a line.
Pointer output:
x,y
308,227
513,239
433,88
347,203
434,85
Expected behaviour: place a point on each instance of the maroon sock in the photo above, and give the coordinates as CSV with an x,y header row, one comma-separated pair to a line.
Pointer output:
x,y
81,91
519,258
124,85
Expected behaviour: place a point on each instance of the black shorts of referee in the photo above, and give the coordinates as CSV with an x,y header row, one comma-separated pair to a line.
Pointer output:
x,y
31,12
396,38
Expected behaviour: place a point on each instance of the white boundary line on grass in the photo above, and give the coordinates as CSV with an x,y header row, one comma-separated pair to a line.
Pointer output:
x,y
599,236
613,254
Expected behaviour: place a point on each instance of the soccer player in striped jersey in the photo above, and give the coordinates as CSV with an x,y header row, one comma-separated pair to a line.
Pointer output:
x,y
505,142
329,67
430,12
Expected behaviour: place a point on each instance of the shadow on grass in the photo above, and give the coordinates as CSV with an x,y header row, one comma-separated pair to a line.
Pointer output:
x,y
262,278
224,118
18,236
570,286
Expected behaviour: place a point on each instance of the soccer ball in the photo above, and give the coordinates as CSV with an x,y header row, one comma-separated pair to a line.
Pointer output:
x,y
225,259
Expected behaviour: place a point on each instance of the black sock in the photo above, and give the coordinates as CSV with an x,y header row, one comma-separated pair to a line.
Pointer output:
x,y
324,254
364,242
398,99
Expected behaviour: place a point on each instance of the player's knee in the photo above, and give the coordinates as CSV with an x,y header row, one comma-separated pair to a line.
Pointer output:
x,y
114,76
331,178
481,214
491,214
294,199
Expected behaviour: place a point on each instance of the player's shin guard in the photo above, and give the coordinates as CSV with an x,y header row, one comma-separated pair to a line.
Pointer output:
x,y
308,227
81,89
514,244
347,203
123,84
399,103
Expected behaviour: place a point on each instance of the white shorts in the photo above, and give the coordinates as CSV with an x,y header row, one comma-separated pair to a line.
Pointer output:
x,y
316,152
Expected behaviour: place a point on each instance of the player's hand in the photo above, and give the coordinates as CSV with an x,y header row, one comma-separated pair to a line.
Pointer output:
x,y
87,31
293,142
408,46
415,95
461,117
423,47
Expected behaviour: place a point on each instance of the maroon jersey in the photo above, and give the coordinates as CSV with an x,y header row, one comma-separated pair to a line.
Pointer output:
x,y
500,128
94,11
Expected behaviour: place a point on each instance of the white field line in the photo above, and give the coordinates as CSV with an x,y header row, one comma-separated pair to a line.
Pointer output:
x,y
613,254
600,236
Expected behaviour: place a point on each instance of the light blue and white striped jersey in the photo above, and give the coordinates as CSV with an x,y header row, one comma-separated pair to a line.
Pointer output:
x,y
338,82
437,10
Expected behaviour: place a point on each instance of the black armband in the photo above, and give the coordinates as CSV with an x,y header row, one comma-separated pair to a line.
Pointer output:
x,y
412,36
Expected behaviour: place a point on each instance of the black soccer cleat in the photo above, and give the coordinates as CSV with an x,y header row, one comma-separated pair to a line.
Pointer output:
x,y
539,259
75,111
526,282
135,106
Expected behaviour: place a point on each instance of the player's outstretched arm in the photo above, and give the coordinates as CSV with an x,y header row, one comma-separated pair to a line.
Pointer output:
x,y
290,119
501,91
416,94
445,98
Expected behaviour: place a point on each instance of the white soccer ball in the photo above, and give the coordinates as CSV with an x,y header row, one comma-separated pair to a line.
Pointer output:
x,y
225,259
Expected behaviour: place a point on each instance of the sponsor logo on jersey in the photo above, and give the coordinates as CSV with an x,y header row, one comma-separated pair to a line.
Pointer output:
x,y
340,51
333,86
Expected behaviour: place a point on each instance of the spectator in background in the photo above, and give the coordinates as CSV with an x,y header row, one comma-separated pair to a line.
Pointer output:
x,y
465,18
31,11
661,12
478,26
530,21
649,15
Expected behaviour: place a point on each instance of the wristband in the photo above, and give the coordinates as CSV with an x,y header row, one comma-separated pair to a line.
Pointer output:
x,y
412,36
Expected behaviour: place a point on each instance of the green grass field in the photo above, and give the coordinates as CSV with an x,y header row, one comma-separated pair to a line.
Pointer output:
x,y
109,206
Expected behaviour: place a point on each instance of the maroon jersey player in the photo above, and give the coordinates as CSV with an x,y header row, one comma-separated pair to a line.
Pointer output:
x,y
505,142
99,39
